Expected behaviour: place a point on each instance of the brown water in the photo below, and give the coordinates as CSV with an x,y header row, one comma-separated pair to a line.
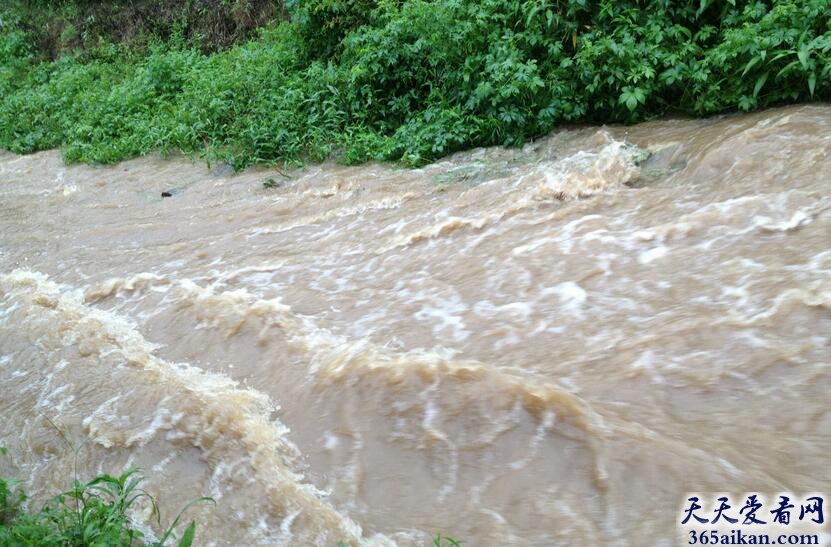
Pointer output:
x,y
538,347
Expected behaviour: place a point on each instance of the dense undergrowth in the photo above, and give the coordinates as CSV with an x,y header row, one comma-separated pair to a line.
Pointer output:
x,y
406,80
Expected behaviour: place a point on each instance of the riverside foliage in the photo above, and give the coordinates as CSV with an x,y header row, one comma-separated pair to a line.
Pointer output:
x,y
90,513
408,80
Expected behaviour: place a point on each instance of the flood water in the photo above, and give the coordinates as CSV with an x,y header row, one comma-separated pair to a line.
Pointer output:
x,y
546,346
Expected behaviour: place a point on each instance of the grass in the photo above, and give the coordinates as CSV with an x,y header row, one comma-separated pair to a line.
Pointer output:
x,y
90,513
440,541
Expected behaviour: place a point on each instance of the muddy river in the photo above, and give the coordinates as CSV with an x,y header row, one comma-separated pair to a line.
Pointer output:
x,y
535,347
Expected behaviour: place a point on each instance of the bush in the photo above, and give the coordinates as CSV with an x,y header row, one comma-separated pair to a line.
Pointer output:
x,y
323,24
413,80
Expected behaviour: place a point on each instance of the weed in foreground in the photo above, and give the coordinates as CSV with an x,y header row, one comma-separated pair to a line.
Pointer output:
x,y
90,513
445,541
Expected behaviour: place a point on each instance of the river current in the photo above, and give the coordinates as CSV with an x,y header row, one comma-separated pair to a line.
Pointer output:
x,y
545,346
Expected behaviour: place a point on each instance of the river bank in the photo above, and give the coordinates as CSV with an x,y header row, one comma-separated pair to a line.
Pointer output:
x,y
407,82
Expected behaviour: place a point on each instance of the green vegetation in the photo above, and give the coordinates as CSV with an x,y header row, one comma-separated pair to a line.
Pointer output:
x,y
445,541
55,27
401,80
90,513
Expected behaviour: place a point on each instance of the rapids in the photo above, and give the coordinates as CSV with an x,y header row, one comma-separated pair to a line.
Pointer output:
x,y
546,346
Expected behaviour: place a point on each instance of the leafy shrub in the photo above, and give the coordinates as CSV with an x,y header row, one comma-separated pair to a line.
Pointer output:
x,y
15,49
91,513
323,24
777,56
413,80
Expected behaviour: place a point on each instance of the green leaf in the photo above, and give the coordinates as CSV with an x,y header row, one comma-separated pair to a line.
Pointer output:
x,y
632,97
759,83
531,14
187,537
787,68
753,62
746,103
803,54
812,83
702,7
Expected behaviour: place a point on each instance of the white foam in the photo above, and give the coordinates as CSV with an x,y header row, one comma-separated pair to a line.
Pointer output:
x,y
572,296
652,255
